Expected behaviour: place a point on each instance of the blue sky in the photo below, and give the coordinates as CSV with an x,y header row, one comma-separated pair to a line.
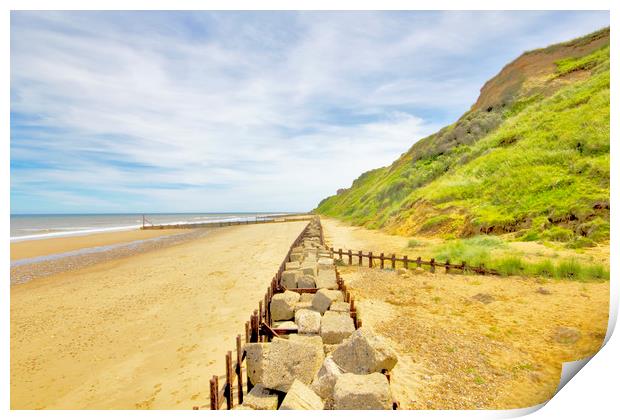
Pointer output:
x,y
241,111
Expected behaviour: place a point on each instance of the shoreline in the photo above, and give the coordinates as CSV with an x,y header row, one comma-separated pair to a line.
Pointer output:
x,y
142,332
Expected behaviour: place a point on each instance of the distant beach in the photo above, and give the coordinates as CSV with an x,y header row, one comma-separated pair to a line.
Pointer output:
x,y
42,226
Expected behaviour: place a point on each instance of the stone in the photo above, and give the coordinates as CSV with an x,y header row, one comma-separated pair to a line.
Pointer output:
x,y
326,279
323,298
364,352
285,325
260,398
283,305
325,264
300,397
335,327
303,305
293,265
484,298
282,361
402,271
297,256
306,297
418,270
289,278
340,307
308,321
325,379
255,356
543,291
306,282
324,254
362,392
566,335
309,268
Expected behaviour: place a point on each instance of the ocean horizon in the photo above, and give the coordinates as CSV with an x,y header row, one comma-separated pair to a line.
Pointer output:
x,y
41,226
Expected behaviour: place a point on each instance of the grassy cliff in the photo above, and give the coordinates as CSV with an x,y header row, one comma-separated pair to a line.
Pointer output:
x,y
531,158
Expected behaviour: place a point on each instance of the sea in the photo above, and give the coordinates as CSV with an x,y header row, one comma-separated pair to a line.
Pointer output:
x,y
41,226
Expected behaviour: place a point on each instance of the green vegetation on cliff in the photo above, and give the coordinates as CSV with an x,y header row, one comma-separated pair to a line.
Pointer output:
x,y
531,157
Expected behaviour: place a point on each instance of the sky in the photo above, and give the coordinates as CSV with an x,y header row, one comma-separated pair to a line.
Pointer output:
x,y
241,111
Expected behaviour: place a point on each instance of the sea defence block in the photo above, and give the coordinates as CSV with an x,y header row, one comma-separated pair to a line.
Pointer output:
x,y
306,282
364,352
294,265
283,305
260,398
297,256
308,321
300,397
326,279
289,278
309,268
362,392
342,307
325,264
324,298
335,327
287,360
325,379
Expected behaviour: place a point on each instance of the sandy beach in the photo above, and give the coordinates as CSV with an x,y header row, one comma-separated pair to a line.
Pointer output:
x,y
145,331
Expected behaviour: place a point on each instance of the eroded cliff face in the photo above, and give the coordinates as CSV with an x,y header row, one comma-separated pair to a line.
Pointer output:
x,y
530,156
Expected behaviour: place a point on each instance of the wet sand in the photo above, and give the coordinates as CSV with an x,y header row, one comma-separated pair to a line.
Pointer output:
x,y
144,331
30,249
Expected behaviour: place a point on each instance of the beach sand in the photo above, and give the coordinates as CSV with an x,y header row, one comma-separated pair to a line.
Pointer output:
x,y
472,342
30,249
146,331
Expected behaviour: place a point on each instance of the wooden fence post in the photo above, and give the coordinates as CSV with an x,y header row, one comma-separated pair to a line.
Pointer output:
x,y
229,381
393,261
463,266
419,262
482,269
359,258
447,266
432,265
340,253
405,262
247,331
238,372
370,259
382,258
350,257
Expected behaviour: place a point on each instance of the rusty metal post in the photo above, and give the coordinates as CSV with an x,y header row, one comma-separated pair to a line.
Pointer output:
x,y
239,370
229,381
215,392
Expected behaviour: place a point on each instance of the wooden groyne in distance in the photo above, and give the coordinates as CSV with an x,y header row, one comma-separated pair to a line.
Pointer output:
x,y
383,258
274,219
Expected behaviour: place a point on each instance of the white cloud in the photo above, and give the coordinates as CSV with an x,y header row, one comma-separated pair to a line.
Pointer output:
x,y
211,112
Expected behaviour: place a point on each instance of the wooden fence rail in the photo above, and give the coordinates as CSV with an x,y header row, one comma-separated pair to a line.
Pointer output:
x,y
392,259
